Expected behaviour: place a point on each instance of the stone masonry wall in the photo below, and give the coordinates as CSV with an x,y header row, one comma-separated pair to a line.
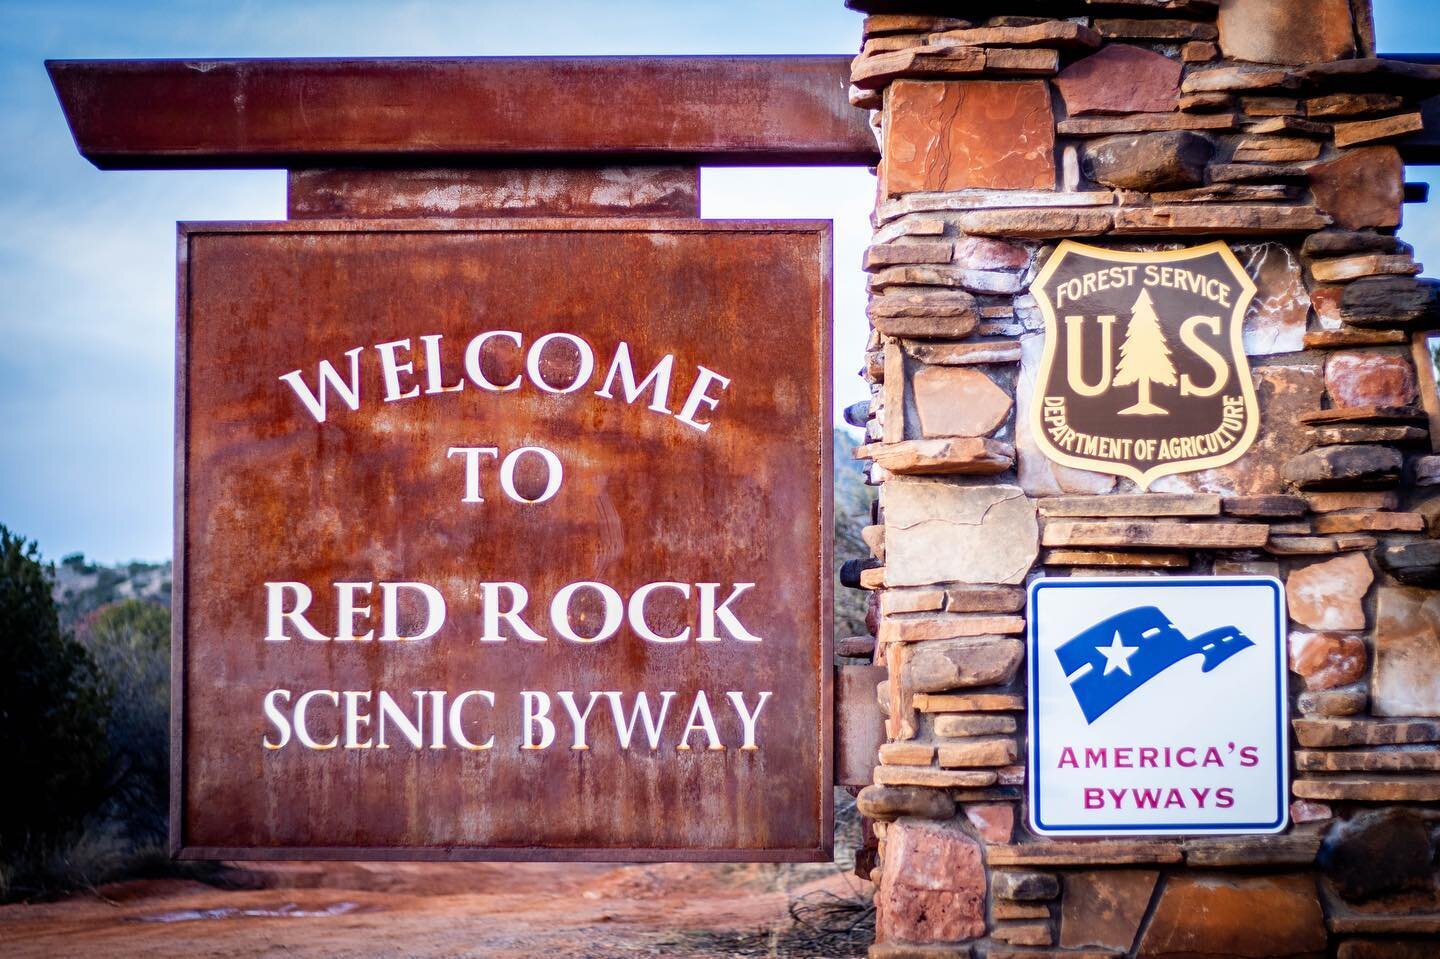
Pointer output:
x,y
1146,125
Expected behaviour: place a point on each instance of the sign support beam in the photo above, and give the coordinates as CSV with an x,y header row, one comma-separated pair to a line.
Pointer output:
x,y
179,114
344,193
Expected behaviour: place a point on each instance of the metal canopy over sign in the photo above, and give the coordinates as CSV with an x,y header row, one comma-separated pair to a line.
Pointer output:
x,y
1144,370
429,111
504,539
1157,706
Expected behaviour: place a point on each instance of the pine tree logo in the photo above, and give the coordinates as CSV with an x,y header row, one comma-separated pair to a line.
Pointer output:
x,y
1144,357
1143,372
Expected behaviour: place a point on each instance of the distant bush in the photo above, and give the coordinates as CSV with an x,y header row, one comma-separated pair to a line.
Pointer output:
x,y
53,710
130,643
83,588
852,514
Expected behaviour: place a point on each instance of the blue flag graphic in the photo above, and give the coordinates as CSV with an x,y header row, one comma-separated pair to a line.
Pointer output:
x,y
1118,655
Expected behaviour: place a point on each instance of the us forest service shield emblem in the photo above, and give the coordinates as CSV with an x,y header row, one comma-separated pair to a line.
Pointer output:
x,y
1144,371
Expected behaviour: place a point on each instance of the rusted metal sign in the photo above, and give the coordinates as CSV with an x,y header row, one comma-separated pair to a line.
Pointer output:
x,y
503,539
1144,372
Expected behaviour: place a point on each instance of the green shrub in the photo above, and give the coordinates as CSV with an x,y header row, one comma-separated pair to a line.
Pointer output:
x,y
852,514
130,643
53,709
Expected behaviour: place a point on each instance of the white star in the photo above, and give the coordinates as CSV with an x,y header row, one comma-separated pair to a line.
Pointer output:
x,y
1117,656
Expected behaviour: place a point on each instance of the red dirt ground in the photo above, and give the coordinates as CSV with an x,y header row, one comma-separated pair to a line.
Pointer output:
x,y
491,910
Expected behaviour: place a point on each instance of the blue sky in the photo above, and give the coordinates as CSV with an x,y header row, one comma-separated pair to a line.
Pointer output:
x,y
87,258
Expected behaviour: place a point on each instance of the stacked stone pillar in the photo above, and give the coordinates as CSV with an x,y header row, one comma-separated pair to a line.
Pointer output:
x,y
1149,125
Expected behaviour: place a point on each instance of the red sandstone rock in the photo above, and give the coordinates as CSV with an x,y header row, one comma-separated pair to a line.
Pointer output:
x,y
1386,788
1267,149
904,254
1209,915
1345,701
1120,79
1302,812
1239,219
1384,128
1234,852
1039,475
1270,106
1369,73
956,401
1378,521
886,23
884,803
911,950
958,456
942,664
1326,301
1350,268
1105,908
1344,467
1327,660
980,751
1353,104
1347,242
1407,653
1021,934
1286,31
1144,123
1327,595
948,314
875,70
1339,339
1369,378
1149,161
1148,29
1035,33
1199,51
959,135
942,532
1024,886
1231,79
995,822
1018,62
1036,224
1276,320
984,253
1285,393
1361,188
932,888
1327,733
1387,949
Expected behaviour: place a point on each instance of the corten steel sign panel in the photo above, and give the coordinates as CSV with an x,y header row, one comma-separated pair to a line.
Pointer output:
x,y
504,539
